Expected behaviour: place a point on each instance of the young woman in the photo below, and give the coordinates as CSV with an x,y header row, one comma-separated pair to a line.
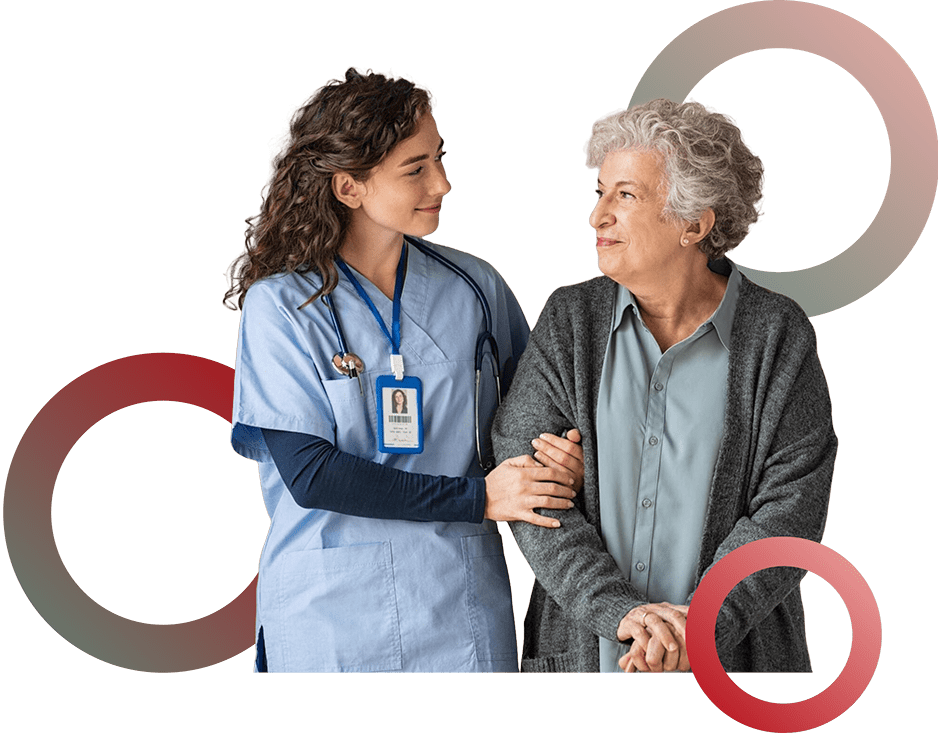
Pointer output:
x,y
382,554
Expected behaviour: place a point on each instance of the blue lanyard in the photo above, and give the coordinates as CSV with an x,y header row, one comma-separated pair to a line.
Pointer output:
x,y
394,335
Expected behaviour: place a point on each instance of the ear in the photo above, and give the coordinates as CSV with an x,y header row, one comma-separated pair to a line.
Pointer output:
x,y
695,232
347,190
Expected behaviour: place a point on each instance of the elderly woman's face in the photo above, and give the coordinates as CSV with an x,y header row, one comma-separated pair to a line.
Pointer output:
x,y
633,239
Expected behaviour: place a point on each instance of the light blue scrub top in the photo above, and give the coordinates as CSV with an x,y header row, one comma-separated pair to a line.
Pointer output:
x,y
659,422
344,593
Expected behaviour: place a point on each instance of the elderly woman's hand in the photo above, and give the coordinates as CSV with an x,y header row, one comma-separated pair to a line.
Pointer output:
x,y
564,453
658,638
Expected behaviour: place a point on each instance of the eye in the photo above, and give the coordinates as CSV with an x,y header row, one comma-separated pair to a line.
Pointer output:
x,y
626,194
440,156
416,171
599,193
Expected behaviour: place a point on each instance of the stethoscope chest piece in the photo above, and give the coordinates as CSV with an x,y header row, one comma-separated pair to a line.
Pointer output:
x,y
348,364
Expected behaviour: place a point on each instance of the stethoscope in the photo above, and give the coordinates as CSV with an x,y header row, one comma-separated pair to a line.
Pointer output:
x,y
350,364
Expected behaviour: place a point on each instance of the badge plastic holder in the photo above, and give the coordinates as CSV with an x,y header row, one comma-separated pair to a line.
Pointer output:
x,y
399,431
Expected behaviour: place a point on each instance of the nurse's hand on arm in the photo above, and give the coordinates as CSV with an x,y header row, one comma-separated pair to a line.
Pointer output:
x,y
520,485
557,452
320,476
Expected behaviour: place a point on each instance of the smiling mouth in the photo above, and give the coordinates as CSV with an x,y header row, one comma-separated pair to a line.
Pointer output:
x,y
603,242
431,209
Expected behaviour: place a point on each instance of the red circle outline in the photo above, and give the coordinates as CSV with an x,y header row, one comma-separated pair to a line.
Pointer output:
x,y
864,650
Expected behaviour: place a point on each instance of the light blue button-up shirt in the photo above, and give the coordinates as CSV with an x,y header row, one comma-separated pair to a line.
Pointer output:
x,y
659,424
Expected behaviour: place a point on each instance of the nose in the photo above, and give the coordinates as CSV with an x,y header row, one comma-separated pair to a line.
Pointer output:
x,y
440,185
601,215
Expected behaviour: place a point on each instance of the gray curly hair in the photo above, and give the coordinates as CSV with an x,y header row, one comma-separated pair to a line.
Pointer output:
x,y
705,162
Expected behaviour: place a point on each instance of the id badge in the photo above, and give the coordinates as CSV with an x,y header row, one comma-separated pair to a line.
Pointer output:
x,y
400,414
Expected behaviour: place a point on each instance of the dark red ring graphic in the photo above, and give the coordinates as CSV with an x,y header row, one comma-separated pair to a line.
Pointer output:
x,y
27,516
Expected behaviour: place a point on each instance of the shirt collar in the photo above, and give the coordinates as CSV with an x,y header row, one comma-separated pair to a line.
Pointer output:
x,y
722,318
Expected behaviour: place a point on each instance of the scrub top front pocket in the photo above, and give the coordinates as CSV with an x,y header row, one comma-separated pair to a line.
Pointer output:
x,y
338,610
356,430
489,599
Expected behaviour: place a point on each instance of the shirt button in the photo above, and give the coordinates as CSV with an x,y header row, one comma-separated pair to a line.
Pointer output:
x,y
653,440
646,503
639,566
659,386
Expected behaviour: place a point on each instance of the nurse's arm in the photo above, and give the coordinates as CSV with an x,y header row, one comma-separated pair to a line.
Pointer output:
x,y
320,476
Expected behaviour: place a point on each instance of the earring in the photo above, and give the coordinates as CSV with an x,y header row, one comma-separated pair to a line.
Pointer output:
x,y
685,241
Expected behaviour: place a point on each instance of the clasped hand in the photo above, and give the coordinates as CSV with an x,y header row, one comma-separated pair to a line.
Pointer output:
x,y
657,631
548,480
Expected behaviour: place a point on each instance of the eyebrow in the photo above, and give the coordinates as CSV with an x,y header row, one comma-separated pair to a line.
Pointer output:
x,y
418,158
617,184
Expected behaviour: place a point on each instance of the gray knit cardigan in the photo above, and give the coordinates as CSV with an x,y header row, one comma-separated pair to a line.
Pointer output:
x,y
772,478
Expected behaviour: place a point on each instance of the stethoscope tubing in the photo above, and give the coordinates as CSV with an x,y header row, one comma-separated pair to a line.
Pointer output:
x,y
486,337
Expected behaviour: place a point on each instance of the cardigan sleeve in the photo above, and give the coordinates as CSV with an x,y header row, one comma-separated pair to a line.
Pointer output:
x,y
790,473
570,562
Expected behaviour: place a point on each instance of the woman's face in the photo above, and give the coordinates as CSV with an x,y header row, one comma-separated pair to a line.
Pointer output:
x,y
404,192
399,398
634,241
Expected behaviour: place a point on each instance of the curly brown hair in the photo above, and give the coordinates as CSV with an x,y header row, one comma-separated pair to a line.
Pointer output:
x,y
346,126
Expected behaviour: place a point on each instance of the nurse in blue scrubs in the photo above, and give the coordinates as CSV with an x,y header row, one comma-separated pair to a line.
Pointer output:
x,y
383,553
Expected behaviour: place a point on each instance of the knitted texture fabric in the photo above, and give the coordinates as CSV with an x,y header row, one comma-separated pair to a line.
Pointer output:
x,y
772,478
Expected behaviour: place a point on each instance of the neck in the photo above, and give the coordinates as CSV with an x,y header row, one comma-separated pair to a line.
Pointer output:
x,y
674,307
375,255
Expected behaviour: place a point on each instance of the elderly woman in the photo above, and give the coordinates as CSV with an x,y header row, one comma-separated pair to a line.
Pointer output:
x,y
704,413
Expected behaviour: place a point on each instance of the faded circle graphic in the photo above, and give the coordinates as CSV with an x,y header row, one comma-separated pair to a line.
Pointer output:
x,y
913,141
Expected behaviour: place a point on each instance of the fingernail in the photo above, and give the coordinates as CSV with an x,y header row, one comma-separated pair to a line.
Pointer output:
x,y
556,524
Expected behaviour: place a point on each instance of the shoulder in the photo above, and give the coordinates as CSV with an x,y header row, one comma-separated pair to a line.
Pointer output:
x,y
583,301
767,316
477,268
283,293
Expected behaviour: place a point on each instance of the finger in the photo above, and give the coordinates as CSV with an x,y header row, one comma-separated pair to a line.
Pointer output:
x,y
538,520
678,624
551,475
682,609
574,435
661,632
683,664
560,449
638,661
671,660
640,637
654,655
627,664
548,462
550,502
524,461
534,489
